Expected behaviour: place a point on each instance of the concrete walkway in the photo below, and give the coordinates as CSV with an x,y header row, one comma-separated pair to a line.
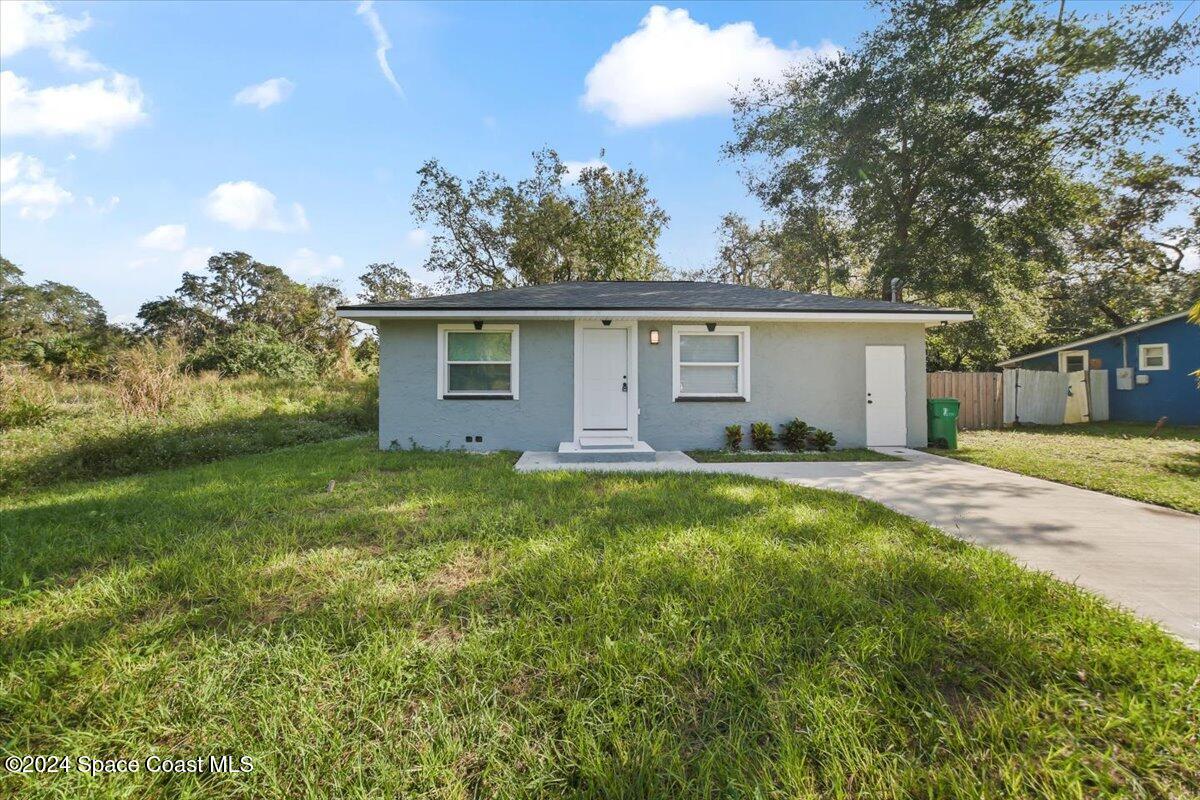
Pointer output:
x,y
1143,557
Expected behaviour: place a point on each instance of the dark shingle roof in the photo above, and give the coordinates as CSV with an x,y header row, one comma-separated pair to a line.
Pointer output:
x,y
643,295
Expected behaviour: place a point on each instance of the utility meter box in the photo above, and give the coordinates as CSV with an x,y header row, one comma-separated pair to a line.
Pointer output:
x,y
1142,379
1125,378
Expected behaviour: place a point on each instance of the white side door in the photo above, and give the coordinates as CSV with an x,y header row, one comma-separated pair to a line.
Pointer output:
x,y
887,422
605,379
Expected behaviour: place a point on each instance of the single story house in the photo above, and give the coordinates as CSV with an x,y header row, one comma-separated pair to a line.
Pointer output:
x,y
1149,368
602,366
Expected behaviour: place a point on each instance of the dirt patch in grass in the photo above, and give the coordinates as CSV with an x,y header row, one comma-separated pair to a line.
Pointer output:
x,y
466,568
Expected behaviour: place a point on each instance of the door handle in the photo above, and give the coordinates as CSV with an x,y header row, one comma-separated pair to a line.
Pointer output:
x,y
625,387
869,402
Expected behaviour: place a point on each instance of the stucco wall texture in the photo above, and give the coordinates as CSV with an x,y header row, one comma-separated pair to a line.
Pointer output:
x,y
812,370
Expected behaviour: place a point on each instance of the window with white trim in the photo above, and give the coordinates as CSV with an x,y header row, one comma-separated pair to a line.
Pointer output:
x,y
478,363
1072,360
1152,357
711,364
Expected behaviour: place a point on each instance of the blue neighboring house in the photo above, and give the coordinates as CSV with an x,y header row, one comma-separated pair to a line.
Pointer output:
x,y
1149,368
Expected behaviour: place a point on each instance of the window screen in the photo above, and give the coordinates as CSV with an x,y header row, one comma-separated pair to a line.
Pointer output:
x,y
479,362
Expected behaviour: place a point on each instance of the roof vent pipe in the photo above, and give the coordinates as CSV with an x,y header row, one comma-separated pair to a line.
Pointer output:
x,y
897,285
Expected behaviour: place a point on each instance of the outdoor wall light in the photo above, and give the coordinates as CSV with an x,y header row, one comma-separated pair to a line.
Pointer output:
x,y
478,325
653,337
606,322
712,326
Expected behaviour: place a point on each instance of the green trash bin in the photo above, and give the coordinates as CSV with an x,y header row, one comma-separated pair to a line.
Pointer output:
x,y
943,422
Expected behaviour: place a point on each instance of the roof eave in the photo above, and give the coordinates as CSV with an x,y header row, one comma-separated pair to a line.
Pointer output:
x,y
1093,339
926,316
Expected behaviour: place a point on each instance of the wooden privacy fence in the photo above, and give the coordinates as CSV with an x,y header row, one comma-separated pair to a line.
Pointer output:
x,y
980,396
1032,397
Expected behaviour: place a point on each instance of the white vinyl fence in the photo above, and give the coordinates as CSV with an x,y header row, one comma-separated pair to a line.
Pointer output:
x,y
1037,397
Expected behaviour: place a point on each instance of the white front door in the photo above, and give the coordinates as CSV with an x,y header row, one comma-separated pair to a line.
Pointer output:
x,y
605,379
887,424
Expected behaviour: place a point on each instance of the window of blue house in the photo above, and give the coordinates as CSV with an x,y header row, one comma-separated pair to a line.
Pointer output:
x,y
1153,357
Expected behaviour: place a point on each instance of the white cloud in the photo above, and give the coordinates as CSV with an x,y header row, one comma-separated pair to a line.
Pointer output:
x,y
265,94
306,262
102,207
417,237
26,24
171,237
195,258
575,167
673,67
94,110
383,43
246,206
11,167
24,183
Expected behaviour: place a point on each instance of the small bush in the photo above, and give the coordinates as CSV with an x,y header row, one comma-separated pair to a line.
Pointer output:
x,y
25,400
762,435
147,378
733,438
794,435
821,440
255,348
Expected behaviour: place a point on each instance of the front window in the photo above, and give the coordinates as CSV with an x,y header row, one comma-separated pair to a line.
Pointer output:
x,y
711,364
1073,361
477,363
1153,357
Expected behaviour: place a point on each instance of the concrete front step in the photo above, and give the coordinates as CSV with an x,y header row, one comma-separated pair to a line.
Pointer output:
x,y
572,453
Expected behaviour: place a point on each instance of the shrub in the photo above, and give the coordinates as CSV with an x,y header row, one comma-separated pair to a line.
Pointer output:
x,y
255,348
821,440
762,435
146,379
794,435
25,400
733,438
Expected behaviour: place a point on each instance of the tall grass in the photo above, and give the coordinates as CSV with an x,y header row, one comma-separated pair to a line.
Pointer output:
x,y
144,419
147,378
26,399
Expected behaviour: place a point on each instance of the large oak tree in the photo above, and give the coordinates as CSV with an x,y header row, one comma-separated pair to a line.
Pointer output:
x,y
954,141
489,233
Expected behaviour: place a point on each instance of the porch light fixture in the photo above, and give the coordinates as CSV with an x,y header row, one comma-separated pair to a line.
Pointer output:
x,y
653,337
478,325
712,326
606,322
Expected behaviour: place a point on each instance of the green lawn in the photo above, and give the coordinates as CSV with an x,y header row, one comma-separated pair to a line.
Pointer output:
x,y
1118,458
440,626
849,454
87,436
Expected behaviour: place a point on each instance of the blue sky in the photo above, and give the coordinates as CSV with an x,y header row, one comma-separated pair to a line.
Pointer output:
x,y
137,138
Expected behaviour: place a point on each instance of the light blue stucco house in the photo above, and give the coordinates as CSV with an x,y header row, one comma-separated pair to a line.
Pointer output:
x,y
637,366
1149,368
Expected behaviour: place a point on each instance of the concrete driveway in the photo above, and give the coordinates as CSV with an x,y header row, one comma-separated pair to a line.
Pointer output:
x,y
1143,557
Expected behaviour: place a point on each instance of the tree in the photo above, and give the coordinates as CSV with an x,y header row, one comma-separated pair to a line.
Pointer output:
x,y
52,324
490,234
239,291
944,140
1127,250
382,282
617,228
746,255
807,252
